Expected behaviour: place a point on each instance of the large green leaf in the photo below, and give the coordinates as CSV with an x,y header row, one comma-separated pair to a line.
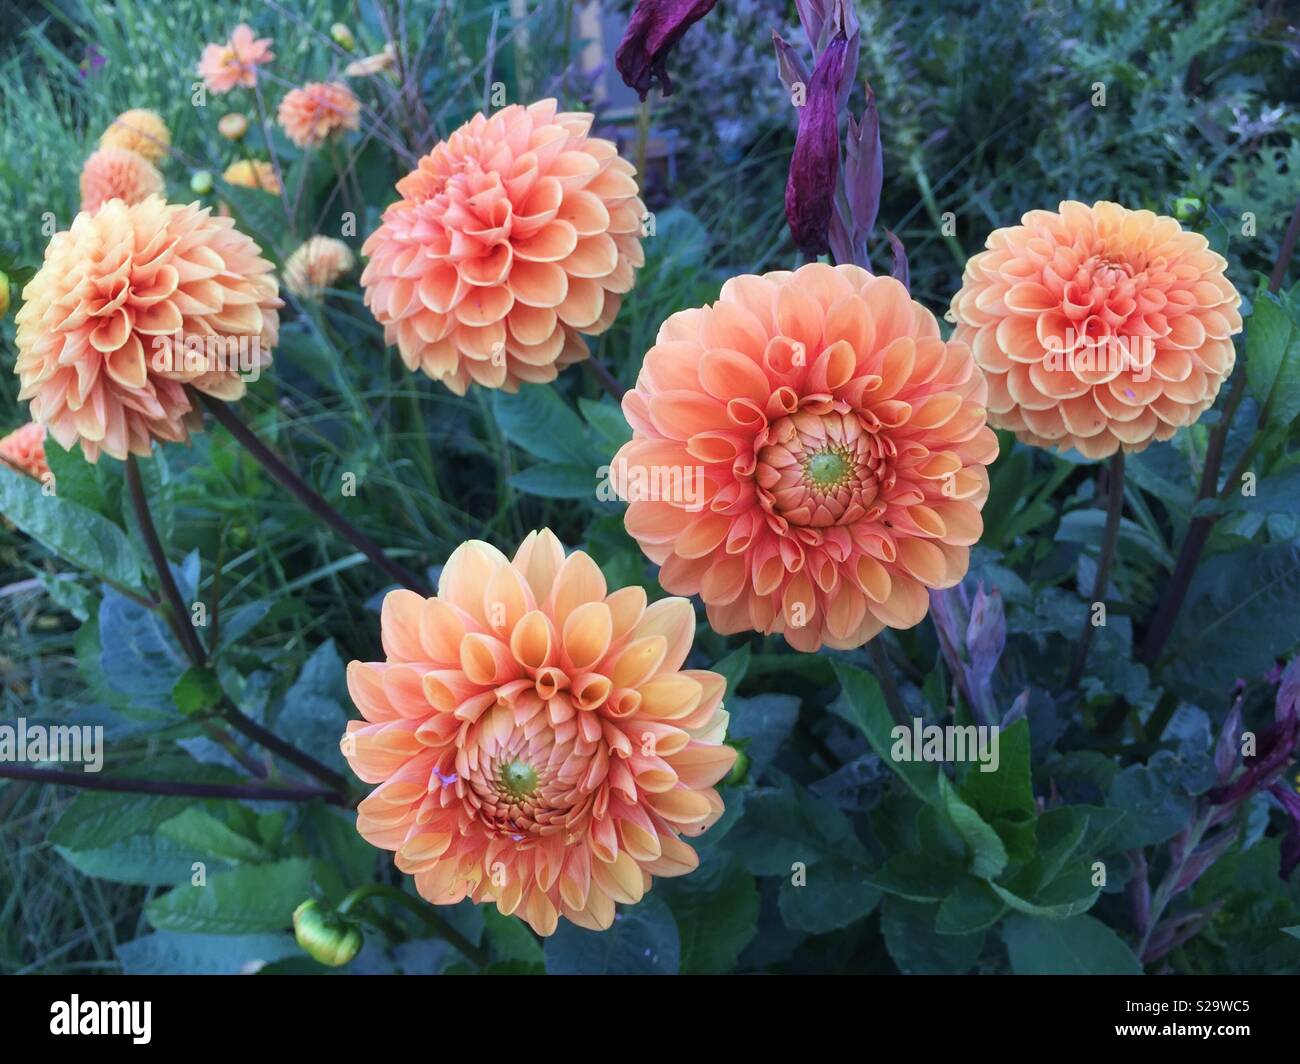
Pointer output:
x,y
716,915
1081,945
988,854
73,532
643,941
1233,598
238,902
537,420
834,895
1005,797
1273,358
97,819
175,953
863,705
150,859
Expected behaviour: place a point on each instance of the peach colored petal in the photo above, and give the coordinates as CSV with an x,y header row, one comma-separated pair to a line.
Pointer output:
x,y
532,740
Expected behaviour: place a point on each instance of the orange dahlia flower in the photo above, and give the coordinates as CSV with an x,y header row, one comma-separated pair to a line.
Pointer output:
x,y
316,265
115,173
536,741
141,131
1098,327
130,305
807,456
226,66
252,173
24,449
512,238
315,112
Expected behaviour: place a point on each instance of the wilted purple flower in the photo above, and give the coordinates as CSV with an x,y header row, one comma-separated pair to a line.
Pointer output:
x,y
653,31
815,165
1275,746
1291,840
899,270
858,203
984,638
1225,751
986,633
789,65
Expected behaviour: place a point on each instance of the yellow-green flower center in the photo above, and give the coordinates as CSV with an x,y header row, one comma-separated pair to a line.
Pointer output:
x,y
518,779
827,469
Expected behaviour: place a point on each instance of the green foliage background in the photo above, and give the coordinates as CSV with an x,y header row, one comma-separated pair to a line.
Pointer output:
x,y
986,113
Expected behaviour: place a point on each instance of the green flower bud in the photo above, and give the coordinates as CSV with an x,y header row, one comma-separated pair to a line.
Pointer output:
x,y
343,36
740,770
327,937
201,183
1187,207
4,295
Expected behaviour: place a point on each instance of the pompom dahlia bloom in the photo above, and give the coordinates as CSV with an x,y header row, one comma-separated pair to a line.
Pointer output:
x,y
807,456
1098,327
115,173
536,741
24,449
226,66
315,112
512,238
252,173
316,265
131,304
141,131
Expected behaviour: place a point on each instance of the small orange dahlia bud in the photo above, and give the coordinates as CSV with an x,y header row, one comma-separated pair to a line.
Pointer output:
x,y
1098,327
807,456
24,449
252,173
514,237
316,265
232,126
141,131
131,304
535,739
315,112
115,173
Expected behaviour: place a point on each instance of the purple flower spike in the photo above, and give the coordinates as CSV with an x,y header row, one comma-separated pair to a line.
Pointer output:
x,y
789,65
652,33
815,165
899,270
1291,841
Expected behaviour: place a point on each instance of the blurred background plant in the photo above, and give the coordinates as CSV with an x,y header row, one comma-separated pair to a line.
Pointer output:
x,y
986,111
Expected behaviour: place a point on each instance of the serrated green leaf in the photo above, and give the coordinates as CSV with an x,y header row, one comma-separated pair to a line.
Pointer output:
x,y
241,901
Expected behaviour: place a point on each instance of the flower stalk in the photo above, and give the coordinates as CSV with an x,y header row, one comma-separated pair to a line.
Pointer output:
x,y
299,489
1105,560
174,608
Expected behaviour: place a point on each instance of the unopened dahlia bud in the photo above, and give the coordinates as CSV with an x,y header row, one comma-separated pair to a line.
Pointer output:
x,y
326,936
1187,208
233,126
740,770
343,36
201,183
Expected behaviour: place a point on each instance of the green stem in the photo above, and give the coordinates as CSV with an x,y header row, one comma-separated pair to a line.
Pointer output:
x,y
1109,541
421,909
885,674
1199,528
94,782
174,607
